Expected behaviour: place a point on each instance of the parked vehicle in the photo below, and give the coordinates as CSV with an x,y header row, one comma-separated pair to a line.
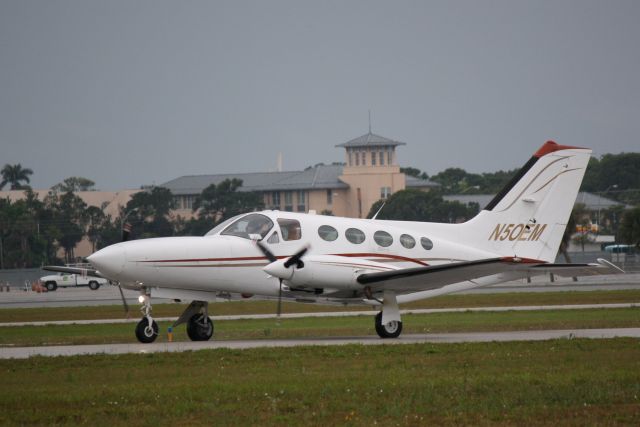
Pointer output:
x,y
67,280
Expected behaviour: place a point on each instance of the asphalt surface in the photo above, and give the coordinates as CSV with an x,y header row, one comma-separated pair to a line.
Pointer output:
x,y
109,295
334,314
26,352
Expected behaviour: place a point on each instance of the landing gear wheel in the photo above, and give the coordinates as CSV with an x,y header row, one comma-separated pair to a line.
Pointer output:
x,y
93,285
390,330
146,334
51,286
200,327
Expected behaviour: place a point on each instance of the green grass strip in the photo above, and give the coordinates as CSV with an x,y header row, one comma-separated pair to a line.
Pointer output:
x,y
559,382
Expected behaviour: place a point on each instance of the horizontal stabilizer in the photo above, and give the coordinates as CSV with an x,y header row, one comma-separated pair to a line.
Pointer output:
x,y
435,277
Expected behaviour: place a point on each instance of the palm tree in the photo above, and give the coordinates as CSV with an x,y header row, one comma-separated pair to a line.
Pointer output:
x,y
14,175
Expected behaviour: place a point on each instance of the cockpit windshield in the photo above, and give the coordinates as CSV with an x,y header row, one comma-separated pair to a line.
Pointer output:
x,y
248,225
222,225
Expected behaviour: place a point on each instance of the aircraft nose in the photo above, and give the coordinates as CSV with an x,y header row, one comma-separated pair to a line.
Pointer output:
x,y
109,261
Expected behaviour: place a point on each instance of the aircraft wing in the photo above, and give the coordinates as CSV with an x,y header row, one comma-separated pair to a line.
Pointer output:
x,y
437,276
74,270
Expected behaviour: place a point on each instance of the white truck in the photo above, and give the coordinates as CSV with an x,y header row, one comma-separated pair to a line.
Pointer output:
x,y
66,280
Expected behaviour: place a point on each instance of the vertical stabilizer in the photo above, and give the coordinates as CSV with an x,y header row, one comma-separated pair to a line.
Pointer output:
x,y
527,218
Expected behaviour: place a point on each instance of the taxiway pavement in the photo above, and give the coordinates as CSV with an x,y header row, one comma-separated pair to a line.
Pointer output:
x,y
73,350
335,314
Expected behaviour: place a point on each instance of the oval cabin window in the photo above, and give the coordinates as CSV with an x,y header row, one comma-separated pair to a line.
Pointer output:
x,y
407,241
426,243
354,235
328,233
383,238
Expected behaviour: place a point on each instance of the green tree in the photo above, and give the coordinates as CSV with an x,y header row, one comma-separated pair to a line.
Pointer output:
x,y
630,227
222,201
151,213
416,205
15,175
219,202
74,184
414,172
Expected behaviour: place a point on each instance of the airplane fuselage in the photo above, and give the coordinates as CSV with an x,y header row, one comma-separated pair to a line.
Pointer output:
x,y
340,249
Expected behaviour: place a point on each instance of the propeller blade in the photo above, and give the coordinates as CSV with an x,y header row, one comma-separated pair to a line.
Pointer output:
x,y
296,258
280,300
270,256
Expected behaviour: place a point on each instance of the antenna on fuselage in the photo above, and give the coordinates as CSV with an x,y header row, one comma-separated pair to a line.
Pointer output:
x,y
383,203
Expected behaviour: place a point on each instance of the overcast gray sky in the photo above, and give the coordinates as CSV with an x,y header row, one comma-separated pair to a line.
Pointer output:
x,y
138,92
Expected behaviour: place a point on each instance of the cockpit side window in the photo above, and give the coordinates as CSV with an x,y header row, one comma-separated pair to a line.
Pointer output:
x,y
249,225
290,229
273,239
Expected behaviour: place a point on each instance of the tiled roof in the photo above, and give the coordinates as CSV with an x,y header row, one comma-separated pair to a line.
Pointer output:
x,y
370,140
318,177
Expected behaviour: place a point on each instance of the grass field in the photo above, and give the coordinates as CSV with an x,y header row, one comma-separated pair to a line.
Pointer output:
x,y
331,326
269,307
567,382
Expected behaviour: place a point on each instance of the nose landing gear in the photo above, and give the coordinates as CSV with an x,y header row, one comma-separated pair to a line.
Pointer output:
x,y
147,328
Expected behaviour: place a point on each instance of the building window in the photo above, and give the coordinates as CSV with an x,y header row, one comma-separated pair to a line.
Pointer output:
x,y
302,203
184,202
381,158
349,151
357,158
275,199
373,158
385,192
364,158
329,197
390,157
288,201
177,201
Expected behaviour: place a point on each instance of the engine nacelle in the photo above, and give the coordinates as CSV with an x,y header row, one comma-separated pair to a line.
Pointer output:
x,y
326,271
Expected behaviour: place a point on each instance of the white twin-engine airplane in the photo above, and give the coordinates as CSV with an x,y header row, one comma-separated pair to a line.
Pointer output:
x,y
332,260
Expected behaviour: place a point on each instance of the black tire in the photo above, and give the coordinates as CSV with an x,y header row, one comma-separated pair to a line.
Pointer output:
x,y
51,286
93,285
200,328
390,330
146,334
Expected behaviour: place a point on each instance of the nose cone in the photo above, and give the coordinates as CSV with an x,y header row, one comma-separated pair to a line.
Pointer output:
x,y
109,261
277,269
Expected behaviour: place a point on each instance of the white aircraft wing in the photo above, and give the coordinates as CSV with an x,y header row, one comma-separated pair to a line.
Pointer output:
x,y
437,276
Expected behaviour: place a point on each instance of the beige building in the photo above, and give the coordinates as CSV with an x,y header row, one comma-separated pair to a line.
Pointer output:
x,y
370,173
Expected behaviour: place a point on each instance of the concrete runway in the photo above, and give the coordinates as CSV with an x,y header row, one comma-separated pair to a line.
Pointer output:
x,y
26,352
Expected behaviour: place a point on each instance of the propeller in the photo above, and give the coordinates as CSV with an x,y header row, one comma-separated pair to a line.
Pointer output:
x,y
293,260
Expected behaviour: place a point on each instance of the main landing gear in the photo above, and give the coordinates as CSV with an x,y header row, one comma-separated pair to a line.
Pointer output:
x,y
388,323
196,316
